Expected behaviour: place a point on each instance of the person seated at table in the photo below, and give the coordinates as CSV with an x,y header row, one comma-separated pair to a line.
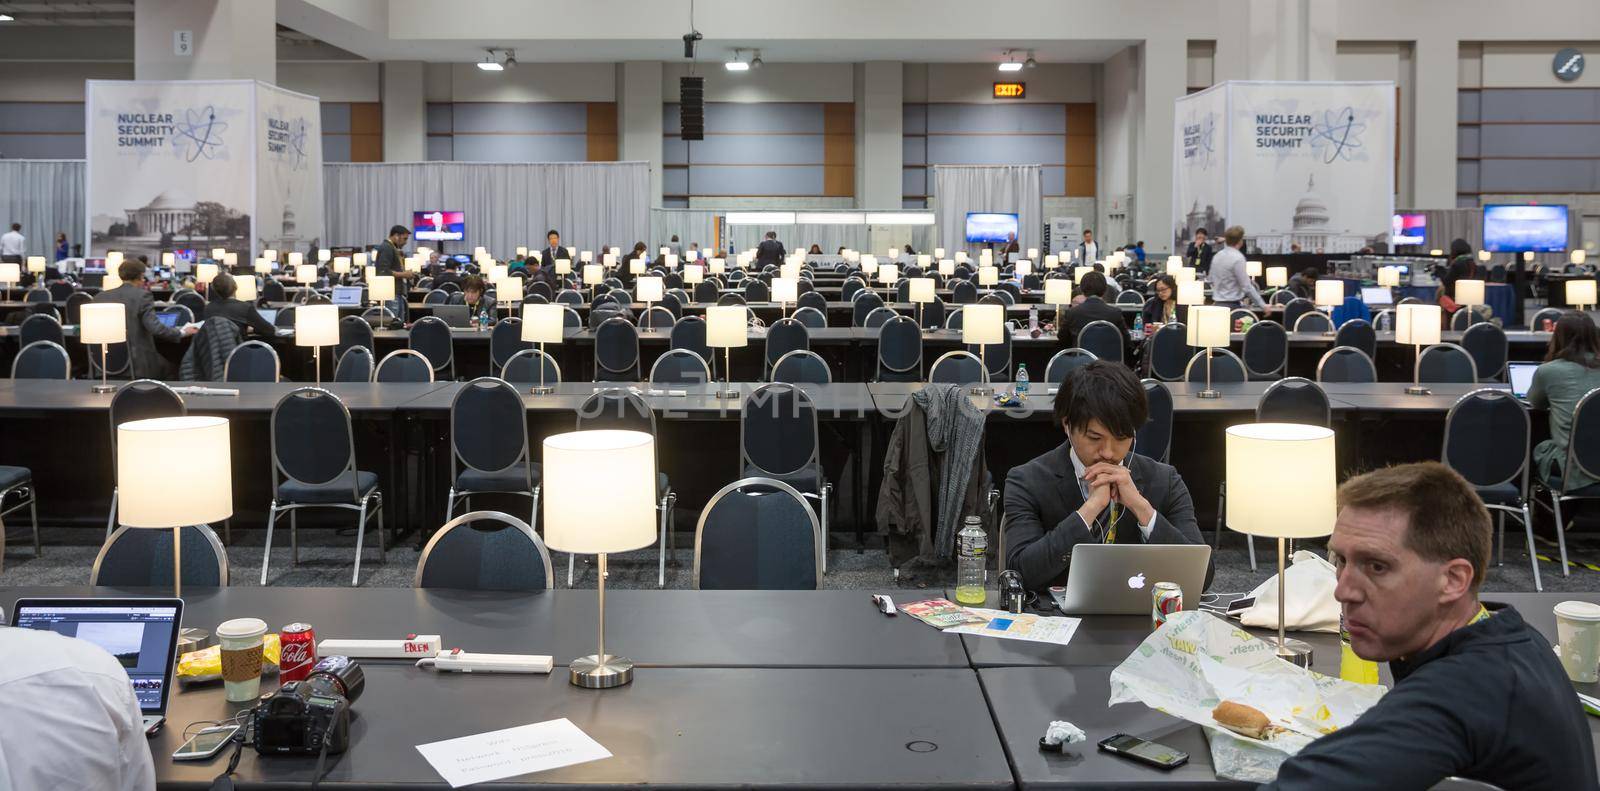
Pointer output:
x,y
143,329
451,274
1477,691
223,305
1463,266
816,249
1093,488
1093,308
473,297
1304,284
1570,370
1163,307
636,253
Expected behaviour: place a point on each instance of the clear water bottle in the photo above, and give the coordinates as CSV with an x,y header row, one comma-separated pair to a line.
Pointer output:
x,y
1022,379
483,320
972,545
1138,325
1033,318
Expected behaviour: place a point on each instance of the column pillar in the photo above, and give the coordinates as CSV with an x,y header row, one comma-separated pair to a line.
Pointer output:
x,y
1163,77
880,156
639,119
405,112
232,40
1433,96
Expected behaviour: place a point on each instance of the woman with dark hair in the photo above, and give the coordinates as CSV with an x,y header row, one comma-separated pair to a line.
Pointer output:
x,y
1163,306
816,249
1463,266
1571,369
637,252
61,246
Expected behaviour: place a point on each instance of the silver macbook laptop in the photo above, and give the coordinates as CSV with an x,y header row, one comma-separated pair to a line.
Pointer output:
x,y
453,315
1377,295
141,633
1117,579
347,295
1521,376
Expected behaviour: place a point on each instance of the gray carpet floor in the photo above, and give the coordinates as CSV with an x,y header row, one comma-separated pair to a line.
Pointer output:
x,y
326,558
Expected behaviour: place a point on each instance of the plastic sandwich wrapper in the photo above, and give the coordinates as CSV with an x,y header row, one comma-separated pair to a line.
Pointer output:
x,y
205,665
1197,660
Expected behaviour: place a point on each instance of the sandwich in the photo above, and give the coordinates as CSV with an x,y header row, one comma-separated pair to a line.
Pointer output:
x,y
1243,720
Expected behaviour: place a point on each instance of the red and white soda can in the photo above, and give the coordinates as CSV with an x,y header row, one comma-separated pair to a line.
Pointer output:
x,y
297,652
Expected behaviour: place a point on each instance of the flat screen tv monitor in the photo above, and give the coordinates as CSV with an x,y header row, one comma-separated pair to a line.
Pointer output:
x,y
434,225
990,227
1409,228
1519,228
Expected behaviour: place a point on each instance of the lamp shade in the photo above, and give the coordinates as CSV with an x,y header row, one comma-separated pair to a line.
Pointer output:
x,y
670,260
1330,292
246,291
359,260
522,251
36,264
924,261
983,323
1052,261
785,290
889,273
1484,255
725,327
316,325
168,260
593,274
1388,276
305,273
1191,292
113,257
10,273
1024,267
1057,291
1468,292
1269,464
269,254
1527,256
636,266
1252,268
947,267
414,263
1208,326
563,266
988,275
1436,252
296,259
649,289
693,273
368,273
263,266
691,255
893,254
479,251
324,254
586,256
716,266
380,288
1185,274
498,272
1174,263
216,253
205,273
961,256
146,495
341,265
1417,324
985,257
543,322
1277,276
921,290
584,469
938,252
869,264
509,289
1579,256
1079,271
1033,253
230,260
1581,292
103,322
112,278
609,260
789,270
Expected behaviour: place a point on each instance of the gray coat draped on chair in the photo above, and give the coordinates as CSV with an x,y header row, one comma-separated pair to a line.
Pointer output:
x,y
933,472
208,353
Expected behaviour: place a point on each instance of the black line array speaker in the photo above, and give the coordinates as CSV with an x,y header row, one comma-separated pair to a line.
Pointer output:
x,y
692,107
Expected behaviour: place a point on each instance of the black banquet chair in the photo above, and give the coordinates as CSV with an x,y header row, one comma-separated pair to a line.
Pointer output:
x,y
1295,400
1357,333
40,327
1064,362
1266,350
314,454
802,366
690,333
142,558
251,361
1346,364
355,365
485,551
784,336
489,446
431,337
1169,352
811,317
354,331
523,368
900,350
957,368
42,360
1446,362
16,484
1489,349
1103,339
1154,438
403,365
1486,439
758,534
505,340
680,367
616,351
1583,455
1225,367
778,439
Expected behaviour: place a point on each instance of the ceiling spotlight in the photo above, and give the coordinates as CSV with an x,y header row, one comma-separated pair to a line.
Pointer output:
x,y
1030,62
1011,65
490,62
736,63
756,62
511,59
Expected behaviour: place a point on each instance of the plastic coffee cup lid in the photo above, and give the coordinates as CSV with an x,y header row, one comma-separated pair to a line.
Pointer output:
x,y
246,628
1578,611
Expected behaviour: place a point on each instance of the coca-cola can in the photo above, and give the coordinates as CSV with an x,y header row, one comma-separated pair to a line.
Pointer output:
x,y
297,652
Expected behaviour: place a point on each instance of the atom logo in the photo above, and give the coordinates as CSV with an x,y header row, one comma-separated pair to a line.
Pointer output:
x,y
296,144
1207,142
1338,136
201,130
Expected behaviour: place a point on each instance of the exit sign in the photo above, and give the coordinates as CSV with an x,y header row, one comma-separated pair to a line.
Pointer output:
x,y
1010,90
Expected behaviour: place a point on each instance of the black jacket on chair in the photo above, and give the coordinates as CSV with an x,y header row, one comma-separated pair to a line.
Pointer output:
x,y
243,313
1042,499
1090,310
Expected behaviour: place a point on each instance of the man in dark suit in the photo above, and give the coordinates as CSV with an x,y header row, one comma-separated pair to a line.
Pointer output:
x,y
1200,252
143,326
1093,308
223,305
389,260
770,251
1093,488
552,252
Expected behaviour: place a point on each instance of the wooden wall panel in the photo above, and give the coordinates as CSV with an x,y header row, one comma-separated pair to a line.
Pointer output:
x,y
1081,148
366,132
602,132
839,149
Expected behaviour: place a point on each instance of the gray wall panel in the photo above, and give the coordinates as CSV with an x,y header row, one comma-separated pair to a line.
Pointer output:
x,y
1567,104
914,150
1534,140
1053,180
755,180
521,148
1467,175
674,151
1546,175
914,203
440,149
914,181
914,119
41,146
521,117
669,118
335,148
41,117
997,149
1467,141
439,118
757,150
1047,118
336,117
767,117
1467,106
675,181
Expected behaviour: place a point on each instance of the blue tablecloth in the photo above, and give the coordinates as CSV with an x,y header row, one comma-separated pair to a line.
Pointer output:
x,y
1498,297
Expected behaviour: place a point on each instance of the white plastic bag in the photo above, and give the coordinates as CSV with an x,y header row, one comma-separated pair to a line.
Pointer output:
x,y
1310,606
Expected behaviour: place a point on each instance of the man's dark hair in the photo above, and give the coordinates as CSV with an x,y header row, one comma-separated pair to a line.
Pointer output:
x,y
674,237
1201,232
222,286
1459,247
1103,391
1310,273
552,232
399,230
16,226
1139,243
1093,284
130,269
472,283
1088,230
772,234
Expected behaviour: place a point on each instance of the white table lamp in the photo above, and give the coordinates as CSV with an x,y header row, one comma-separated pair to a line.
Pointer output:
x,y
1052,261
1469,293
938,252
205,273
103,323
691,255
1192,292
961,256
985,257
586,256
670,260
1033,253
1058,292
147,498
1267,463
168,260
947,267
522,251
636,266
988,275
112,278
508,290
1579,256
296,259
1079,271
888,275
230,260
694,274
305,274
10,274
790,270
270,254
316,326
983,324
1207,327
1388,276
544,323
1527,257
1185,274
217,253
726,329
1024,267
1417,325
380,288
368,273
784,291
1330,295
649,289
1581,293
341,265
924,261
921,292
246,290
1484,256
358,260
324,255
893,254
593,276
1252,268
36,264
1277,276
563,266
1174,263
716,266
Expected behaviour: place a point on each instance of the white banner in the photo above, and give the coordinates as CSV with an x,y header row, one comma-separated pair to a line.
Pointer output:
x,y
1065,234
1305,167
289,200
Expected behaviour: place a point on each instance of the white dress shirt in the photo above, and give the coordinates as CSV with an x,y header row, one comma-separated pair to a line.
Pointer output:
x,y
1230,279
1078,470
68,717
12,243
1089,253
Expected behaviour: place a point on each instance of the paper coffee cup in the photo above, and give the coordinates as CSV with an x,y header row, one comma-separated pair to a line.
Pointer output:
x,y
1578,637
241,643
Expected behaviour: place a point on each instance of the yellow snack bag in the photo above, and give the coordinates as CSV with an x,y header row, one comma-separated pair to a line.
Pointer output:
x,y
206,664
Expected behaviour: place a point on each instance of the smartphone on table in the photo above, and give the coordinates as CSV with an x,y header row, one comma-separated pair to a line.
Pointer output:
x,y
206,743
1146,752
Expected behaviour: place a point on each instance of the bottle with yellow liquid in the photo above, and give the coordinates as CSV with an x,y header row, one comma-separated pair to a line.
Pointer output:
x,y
1352,667
972,546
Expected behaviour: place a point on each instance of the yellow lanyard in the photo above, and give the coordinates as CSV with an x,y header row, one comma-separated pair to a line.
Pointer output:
x,y
1483,615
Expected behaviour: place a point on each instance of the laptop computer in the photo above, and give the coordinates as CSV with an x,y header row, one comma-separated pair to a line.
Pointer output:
x,y
141,633
453,315
1521,376
170,320
270,314
347,295
1117,579
1377,295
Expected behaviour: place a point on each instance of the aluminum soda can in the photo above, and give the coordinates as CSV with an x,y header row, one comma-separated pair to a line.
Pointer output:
x,y
297,645
1166,599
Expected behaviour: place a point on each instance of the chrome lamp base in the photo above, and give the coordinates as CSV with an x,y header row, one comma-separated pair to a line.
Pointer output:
x,y
592,672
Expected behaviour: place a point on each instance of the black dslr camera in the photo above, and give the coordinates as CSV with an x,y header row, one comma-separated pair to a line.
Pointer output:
x,y
302,715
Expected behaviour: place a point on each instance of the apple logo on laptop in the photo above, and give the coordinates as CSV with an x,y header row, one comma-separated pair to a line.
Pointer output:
x,y
1136,581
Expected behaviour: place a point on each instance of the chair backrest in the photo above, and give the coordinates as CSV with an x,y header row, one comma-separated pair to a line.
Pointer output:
x,y
1346,364
542,289
403,365
1241,313
902,289
616,408
142,399
801,366
811,317
1282,296
1006,293
955,320
1225,367
437,296
1551,315
1130,297
191,300
1169,351
431,337
1583,445
706,291
757,534
1486,437
1266,349
134,557
616,351
251,361
680,367
285,318
489,426
42,360
1446,362
1103,339
850,287
568,296
900,350
1466,317
963,292
1154,438
865,303
355,365
996,355
994,298
690,333
273,291
756,290
1295,399
784,336
74,306
1294,309
1383,321
813,299
570,320
61,290
778,429
505,340
1311,321
1064,362
354,331
523,368
311,439
377,314
657,318
1489,348
41,327
485,550
957,368
933,314
878,316
1359,334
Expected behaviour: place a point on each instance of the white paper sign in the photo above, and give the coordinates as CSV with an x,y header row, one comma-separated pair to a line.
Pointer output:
x,y
510,752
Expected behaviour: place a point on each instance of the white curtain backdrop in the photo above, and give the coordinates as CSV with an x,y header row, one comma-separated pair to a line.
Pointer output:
x,y
690,225
46,196
958,189
592,204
